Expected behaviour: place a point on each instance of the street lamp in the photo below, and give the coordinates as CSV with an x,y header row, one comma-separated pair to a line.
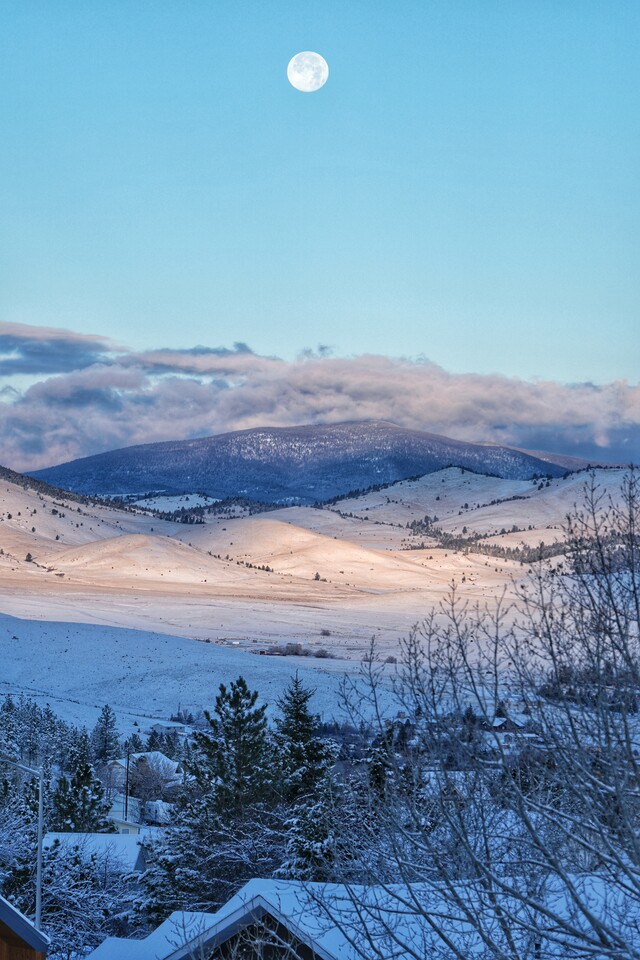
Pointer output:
x,y
38,774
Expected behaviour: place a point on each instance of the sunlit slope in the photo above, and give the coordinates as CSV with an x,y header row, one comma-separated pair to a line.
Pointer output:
x,y
354,567
290,549
454,500
138,556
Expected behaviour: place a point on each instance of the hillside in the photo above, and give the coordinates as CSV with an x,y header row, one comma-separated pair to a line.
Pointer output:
x,y
288,464
332,576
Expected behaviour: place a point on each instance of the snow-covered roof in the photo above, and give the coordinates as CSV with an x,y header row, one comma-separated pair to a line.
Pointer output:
x,y
155,758
184,932
122,852
22,927
399,921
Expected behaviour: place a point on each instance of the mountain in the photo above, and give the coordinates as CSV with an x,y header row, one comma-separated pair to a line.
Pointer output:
x,y
287,464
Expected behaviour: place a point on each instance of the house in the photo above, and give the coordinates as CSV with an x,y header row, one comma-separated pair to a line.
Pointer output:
x,y
152,764
286,919
269,911
270,919
508,734
129,813
19,939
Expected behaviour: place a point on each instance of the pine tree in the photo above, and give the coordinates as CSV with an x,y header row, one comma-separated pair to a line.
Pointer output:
x,y
172,744
9,736
79,750
309,849
104,737
234,762
228,829
303,757
49,729
155,741
323,833
78,805
134,744
29,713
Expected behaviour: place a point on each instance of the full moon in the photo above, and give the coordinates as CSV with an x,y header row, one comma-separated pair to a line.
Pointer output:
x,y
307,71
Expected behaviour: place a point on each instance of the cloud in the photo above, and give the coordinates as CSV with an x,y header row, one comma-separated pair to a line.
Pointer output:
x,y
198,360
47,350
124,397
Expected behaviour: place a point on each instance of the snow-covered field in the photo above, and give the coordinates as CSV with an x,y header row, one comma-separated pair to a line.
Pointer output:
x,y
144,676
331,577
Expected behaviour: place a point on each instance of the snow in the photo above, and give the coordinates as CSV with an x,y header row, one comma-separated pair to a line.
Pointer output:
x,y
121,852
144,676
154,757
132,594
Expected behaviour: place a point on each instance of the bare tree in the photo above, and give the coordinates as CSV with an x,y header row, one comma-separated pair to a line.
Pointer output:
x,y
502,816
149,778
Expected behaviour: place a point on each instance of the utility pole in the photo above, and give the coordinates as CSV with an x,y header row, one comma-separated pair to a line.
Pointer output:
x,y
126,787
37,773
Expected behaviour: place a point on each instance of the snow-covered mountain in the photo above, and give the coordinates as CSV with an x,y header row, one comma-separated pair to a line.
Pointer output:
x,y
289,464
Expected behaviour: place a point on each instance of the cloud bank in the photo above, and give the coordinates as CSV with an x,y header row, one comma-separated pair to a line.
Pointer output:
x,y
94,396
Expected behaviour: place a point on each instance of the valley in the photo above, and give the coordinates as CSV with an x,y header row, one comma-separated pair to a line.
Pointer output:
x,y
109,598
352,568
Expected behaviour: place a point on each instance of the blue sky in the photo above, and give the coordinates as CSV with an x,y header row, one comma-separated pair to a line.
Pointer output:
x,y
465,188
446,235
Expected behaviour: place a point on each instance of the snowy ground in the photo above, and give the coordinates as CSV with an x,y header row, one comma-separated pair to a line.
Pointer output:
x,y
144,676
330,578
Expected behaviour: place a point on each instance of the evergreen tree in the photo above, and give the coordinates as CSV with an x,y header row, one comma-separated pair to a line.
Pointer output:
x,y
134,744
30,716
323,839
49,731
229,828
171,745
78,805
79,750
105,743
234,761
9,734
155,741
303,757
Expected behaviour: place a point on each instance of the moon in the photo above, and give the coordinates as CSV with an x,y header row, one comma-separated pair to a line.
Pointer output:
x,y
307,71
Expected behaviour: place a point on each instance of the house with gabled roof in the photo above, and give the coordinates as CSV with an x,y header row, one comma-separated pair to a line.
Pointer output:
x,y
264,913
286,919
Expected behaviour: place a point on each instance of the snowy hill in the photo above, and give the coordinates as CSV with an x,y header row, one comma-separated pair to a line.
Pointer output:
x,y
327,578
330,577
288,464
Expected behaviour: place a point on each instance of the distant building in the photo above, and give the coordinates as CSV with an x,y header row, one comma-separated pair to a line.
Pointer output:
x,y
129,814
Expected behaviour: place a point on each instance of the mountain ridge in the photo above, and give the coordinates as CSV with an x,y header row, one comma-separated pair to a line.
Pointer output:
x,y
300,464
